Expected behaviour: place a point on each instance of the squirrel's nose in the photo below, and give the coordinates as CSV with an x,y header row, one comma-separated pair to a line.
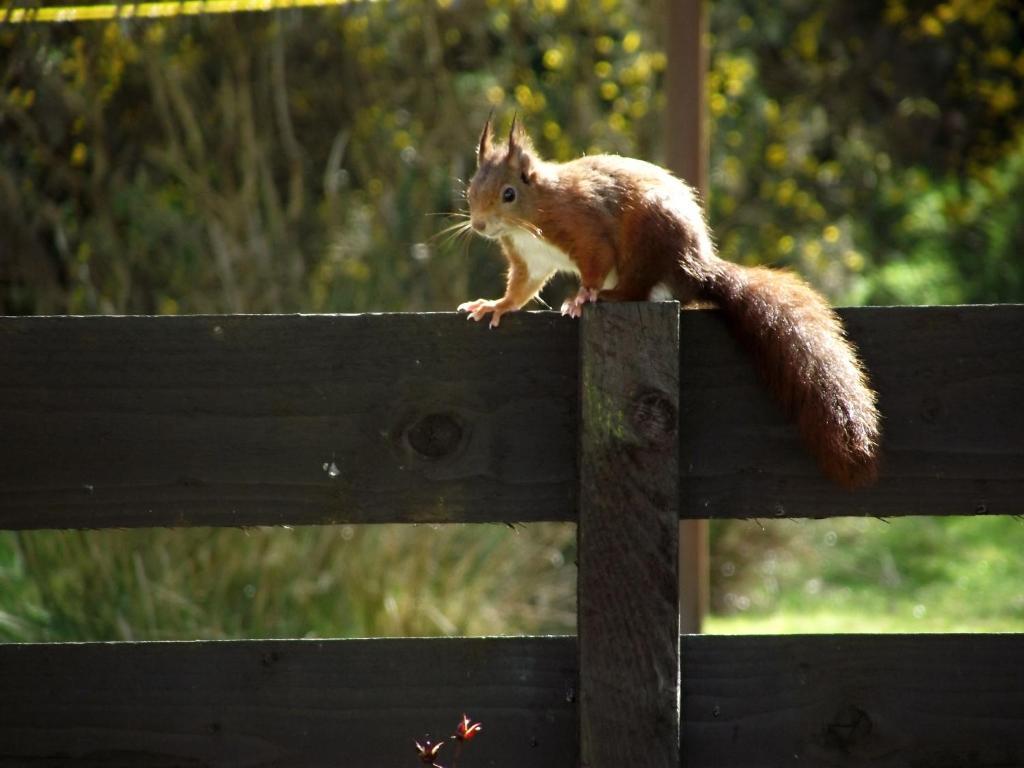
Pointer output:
x,y
479,225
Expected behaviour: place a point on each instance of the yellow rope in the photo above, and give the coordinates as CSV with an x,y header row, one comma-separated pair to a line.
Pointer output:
x,y
151,10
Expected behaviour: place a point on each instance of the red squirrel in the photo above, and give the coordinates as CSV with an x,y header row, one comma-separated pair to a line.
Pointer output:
x,y
626,226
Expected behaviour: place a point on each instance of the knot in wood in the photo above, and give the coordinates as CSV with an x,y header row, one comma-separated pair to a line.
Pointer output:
x,y
849,726
654,417
435,435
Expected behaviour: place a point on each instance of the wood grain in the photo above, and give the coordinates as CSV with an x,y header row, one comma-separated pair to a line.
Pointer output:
x,y
249,420
627,589
849,701
264,420
942,701
950,381
286,703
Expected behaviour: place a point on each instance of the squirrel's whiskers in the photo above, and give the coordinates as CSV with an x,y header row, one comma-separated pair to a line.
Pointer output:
x,y
626,227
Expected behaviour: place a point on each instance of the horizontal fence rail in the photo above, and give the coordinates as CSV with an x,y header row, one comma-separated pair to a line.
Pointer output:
x,y
939,701
250,420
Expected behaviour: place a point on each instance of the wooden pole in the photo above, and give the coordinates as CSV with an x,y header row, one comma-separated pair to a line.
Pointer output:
x,y
627,593
686,151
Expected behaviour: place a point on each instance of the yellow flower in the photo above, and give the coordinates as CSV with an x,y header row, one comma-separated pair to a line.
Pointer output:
x,y
999,57
854,261
930,25
946,12
553,58
1003,98
784,194
812,249
609,90
495,95
895,12
79,154
831,233
775,155
631,42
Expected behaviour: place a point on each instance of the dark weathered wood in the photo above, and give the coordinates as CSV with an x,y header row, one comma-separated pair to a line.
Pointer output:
x,y
950,383
169,421
627,589
686,154
935,700
941,701
286,703
248,420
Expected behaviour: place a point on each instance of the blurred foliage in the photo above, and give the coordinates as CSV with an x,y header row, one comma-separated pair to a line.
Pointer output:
x,y
306,161
875,146
298,160
290,161
960,574
349,581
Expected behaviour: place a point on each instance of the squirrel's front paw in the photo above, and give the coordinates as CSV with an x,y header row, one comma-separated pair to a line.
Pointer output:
x,y
574,307
478,310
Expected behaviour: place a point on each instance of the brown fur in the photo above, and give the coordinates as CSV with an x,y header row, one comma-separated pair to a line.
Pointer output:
x,y
617,216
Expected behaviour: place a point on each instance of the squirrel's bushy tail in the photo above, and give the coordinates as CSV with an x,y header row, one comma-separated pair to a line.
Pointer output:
x,y
800,347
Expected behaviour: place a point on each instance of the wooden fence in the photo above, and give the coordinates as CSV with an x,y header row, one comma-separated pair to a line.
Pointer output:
x,y
624,422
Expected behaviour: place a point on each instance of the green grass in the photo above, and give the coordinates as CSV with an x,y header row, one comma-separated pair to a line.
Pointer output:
x,y
340,581
867,575
899,618
849,575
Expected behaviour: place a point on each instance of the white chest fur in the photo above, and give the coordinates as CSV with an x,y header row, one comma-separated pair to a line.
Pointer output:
x,y
541,257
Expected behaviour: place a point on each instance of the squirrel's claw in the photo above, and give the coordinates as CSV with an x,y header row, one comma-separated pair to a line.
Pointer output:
x,y
479,309
574,307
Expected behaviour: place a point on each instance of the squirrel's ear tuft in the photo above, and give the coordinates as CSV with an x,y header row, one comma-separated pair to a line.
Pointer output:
x,y
520,151
484,147
518,141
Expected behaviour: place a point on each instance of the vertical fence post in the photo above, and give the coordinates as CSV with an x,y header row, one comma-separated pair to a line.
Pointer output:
x,y
686,153
628,588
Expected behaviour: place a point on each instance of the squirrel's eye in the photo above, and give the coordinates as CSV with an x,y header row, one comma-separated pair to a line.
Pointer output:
x,y
508,195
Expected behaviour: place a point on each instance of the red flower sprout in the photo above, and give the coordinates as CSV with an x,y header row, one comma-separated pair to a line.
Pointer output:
x,y
466,731
428,752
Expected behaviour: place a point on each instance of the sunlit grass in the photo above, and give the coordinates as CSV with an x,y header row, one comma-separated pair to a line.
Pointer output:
x,y
921,574
340,581
900,619
779,577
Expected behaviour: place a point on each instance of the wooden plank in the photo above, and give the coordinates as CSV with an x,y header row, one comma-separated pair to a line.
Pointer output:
x,y
950,381
855,700
627,589
286,703
942,701
250,420
147,421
